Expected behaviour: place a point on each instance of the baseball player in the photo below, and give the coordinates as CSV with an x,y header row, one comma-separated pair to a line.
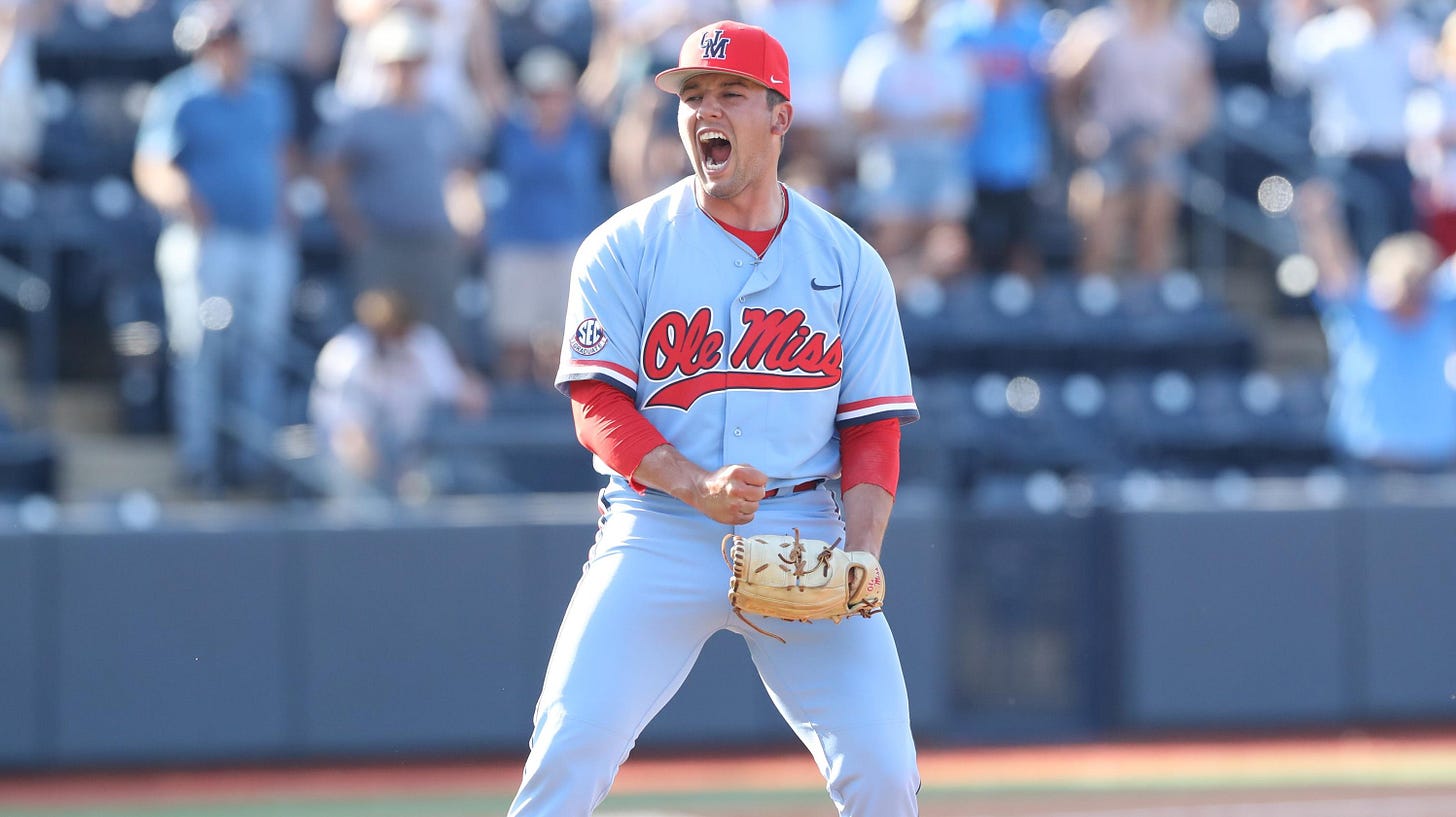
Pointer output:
x,y
729,347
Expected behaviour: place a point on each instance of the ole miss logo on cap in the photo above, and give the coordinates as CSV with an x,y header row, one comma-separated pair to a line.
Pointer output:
x,y
715,45
756,55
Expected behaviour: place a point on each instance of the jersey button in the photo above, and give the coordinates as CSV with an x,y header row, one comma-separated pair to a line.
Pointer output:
x,y
738,432
737,263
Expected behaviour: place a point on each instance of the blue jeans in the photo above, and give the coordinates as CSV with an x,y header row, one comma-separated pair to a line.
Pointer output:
x,y
229,315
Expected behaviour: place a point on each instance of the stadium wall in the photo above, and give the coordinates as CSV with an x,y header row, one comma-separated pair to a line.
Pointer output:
x,y
293,638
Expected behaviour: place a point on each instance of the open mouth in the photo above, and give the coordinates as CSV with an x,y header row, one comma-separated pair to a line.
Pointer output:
x,y
716,149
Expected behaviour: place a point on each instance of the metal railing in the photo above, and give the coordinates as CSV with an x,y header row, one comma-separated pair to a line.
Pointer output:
x,y
1222,210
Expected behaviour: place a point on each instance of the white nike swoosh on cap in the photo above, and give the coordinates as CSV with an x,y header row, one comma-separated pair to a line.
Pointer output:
x,y
775,80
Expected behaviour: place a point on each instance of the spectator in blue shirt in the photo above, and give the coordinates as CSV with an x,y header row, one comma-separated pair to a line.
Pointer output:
x,y
1391,333
550,158
212,154
1009,153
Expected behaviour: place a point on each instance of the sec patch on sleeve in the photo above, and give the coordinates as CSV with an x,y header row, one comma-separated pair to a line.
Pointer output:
x,y
589,337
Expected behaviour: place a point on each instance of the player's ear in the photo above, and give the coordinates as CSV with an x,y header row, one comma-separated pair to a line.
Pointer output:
x,y
783,115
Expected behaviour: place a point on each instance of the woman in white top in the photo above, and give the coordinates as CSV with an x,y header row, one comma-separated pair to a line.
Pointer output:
x,y
1133,91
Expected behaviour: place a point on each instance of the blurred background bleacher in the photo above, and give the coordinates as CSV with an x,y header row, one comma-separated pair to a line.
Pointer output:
x,y
1193,371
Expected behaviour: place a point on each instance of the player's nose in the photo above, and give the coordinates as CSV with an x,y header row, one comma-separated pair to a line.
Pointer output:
x,y
708,107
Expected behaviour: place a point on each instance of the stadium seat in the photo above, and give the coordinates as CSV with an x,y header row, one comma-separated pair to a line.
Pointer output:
x,y
1288,415
90,128
88,41
27,465
988,323
1094,324
995,424
1157,420
1216,420
1169,322
525,444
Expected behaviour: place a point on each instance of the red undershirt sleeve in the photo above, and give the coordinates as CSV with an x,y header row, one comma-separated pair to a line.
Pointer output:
x,y
609,425
870,453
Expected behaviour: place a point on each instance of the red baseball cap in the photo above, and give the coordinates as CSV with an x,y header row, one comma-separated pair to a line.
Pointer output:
x,y
730,47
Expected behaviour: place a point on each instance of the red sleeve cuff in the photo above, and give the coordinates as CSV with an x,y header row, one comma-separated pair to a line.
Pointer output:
x,y
870,453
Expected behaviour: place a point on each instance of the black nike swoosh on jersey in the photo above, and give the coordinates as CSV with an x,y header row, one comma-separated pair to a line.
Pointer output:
x,y
821,287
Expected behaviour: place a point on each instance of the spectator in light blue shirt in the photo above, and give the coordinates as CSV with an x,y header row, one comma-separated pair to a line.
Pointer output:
x,y
1392,341
211,154
913,105
1009,153
550,162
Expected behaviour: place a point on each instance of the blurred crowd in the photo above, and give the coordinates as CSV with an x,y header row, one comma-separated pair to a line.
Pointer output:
x,y
462,166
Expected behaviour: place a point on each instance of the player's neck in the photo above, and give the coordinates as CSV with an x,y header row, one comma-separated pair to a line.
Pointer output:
x,y
758,208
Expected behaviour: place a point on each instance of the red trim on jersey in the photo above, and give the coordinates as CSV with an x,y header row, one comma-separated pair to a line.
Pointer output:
x,y
605,364
870,453
873,401
609,425
757,240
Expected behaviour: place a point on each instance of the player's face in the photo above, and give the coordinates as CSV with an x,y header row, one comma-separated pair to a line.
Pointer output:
x,y
730,132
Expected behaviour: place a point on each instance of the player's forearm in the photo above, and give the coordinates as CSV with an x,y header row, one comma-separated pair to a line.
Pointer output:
x,y
610,426
729,495
664,468
866,516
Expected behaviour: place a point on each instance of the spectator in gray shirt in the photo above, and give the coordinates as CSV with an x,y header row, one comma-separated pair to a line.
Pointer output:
x,y
401,183
299,38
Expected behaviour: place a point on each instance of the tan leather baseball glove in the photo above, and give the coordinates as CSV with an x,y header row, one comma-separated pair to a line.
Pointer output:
x,y
800,579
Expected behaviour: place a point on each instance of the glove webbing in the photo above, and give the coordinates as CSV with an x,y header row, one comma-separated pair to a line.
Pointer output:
x,y
794,558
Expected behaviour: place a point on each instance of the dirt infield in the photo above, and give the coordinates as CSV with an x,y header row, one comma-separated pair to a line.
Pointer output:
x,y
1344,776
